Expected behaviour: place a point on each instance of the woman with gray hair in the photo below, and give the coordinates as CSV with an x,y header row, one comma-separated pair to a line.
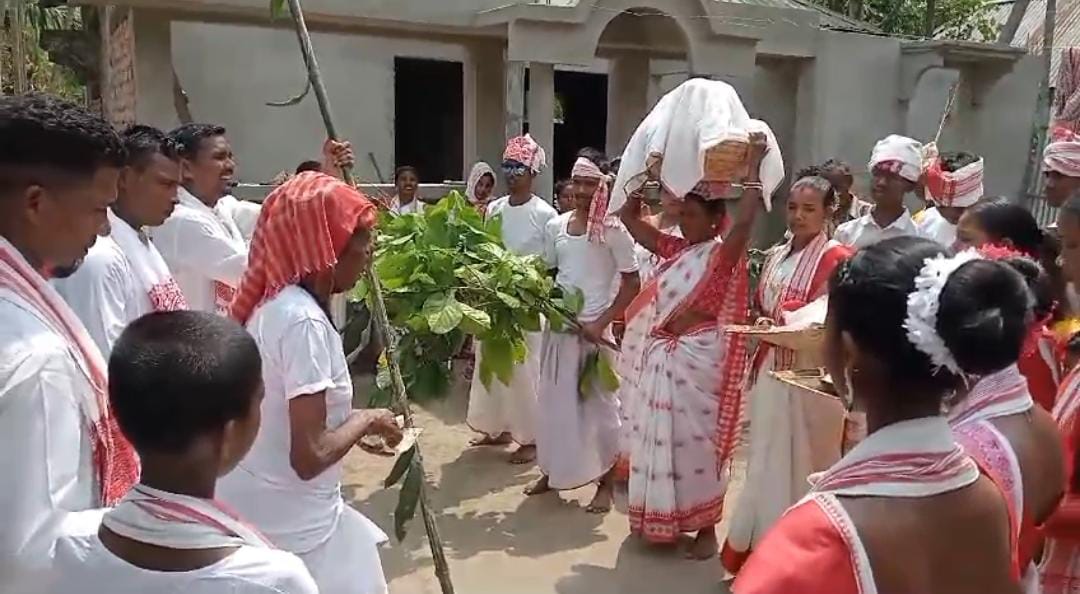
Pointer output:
x,y
790,435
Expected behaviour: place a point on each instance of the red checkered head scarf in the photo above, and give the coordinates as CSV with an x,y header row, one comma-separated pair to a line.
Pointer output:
x,y
304,225
961,188
586,169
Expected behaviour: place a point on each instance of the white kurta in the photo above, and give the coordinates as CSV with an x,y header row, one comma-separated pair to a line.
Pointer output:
x,y
302,354
46,461
205,252
113,288
933,226
83,564
512,408
244,214
414,207
865,231
577,438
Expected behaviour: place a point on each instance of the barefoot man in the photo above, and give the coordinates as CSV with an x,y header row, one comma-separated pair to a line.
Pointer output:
x,y
506,413
577,435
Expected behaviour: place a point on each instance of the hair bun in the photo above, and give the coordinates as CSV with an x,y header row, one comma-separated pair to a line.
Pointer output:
x,y
984,315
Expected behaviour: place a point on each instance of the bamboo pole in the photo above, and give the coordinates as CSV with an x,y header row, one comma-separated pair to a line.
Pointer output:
x,y
382,322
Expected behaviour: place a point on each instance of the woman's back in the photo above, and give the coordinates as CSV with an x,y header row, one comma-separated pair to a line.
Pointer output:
x,y
957,542
1037,443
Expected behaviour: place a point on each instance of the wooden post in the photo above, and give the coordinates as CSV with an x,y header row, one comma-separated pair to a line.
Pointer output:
x,y
1016,16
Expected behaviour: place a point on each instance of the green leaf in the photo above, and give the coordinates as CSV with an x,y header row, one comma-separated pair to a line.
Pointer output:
x,y
382,376
508,299
493,226
498,353
474,321
609,380
408,499
277,8
360,291
431,379
443,313
574,300
395,266
587,375
402,465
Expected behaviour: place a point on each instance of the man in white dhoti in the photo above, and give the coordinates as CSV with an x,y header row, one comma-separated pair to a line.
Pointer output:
x,y
896,166
201,244
124,277
169,533
577,435
59,166
954,182
504,413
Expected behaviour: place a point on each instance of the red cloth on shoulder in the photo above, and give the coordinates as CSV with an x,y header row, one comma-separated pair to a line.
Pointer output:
x,y
802,553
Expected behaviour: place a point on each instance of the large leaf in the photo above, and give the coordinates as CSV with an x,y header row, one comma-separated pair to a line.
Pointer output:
x,y
608,379
498,354
473,320
587,376
443,313
408,499
403,463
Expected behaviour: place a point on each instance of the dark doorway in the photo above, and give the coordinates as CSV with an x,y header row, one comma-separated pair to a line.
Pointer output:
x,y
429,118
583,100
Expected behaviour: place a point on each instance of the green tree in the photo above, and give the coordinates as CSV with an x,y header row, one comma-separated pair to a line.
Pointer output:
x,y
25,63
953,19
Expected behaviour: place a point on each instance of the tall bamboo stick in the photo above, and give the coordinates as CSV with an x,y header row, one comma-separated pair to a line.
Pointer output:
x,y
442,568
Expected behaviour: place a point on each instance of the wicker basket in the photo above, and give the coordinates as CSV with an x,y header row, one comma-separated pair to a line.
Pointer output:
x,y
810,339
726,162
813,382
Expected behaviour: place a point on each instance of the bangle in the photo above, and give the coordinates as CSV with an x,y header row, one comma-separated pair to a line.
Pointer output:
x,y
752,185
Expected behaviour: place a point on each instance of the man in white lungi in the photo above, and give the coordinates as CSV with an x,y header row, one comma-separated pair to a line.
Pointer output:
x,y
505,413
124,277
577,436
200,242
62,451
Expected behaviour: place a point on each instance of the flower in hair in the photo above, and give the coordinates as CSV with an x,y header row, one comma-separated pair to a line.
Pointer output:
x,y
998,251
923,304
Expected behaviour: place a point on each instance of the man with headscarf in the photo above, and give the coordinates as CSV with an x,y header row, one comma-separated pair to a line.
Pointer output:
x,y
1061,165
954,182
577,437
896,166
504,412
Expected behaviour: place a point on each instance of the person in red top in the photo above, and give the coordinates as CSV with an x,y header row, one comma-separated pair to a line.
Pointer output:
x,y
907,510
790,436
686,410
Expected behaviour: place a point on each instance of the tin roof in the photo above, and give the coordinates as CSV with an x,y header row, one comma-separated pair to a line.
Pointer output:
x,y
1030,33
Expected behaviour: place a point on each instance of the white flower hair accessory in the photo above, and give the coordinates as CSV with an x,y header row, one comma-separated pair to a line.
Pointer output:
x,y
923,304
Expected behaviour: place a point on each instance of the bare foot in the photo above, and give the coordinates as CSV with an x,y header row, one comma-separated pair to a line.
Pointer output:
x,y
488,440
601,502
704,546
540,487
524,455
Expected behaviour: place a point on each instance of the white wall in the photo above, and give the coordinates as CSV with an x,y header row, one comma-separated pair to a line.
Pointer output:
x,y
230,72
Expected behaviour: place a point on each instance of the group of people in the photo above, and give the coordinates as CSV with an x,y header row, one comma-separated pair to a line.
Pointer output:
x,y
178,403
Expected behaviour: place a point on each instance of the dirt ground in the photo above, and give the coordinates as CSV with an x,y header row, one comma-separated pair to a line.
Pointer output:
x,y
498,540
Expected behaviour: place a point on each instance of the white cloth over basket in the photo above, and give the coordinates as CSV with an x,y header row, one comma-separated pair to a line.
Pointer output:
x,y
694,117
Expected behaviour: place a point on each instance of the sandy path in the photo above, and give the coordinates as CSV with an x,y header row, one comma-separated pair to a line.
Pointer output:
x,y
500,541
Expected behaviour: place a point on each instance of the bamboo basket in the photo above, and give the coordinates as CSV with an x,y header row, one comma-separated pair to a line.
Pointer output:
x,y
814,382
811,339
726,162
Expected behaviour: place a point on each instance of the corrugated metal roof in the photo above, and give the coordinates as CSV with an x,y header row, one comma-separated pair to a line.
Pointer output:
x,y
829,19
1030,33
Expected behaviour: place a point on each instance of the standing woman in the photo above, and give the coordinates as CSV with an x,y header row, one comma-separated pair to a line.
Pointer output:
x,y
791,435
406,184
313,240
998,224
479,186
906,510
686,409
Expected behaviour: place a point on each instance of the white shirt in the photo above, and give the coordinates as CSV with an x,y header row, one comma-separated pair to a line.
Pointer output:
x,y
302,354
244,214
84,565
933,226
201,246
45,462
865,231
593,268
111,289
524,227
416,206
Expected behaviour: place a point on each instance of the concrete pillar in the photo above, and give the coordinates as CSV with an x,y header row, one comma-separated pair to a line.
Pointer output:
x,y
515,98
154,70
627,98
485,105
542,121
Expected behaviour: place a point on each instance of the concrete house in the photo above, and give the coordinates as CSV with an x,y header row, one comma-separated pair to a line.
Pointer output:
x,y
440,84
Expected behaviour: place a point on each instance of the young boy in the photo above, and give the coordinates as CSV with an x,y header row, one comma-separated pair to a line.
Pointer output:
x,y
186,389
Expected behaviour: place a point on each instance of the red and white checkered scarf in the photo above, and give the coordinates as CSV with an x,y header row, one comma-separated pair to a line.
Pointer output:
x,y
960,188
115,461
526,151
304,225
586,169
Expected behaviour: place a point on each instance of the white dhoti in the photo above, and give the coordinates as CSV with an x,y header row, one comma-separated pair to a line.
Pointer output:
x,y
577,440
792,435
508,409
348,562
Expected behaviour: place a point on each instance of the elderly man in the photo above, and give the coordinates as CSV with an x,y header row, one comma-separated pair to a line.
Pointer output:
x,y
59,167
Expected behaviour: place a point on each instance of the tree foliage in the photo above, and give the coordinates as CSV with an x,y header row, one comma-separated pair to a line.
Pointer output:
x,y
446,275
43,73
953,19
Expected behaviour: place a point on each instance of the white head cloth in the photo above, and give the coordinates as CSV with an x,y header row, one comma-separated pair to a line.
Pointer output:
x,y
923,304
1062,155
478,172
905,153
694,117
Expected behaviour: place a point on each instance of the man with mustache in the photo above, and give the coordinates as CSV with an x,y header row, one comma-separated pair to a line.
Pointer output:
x,y
124,277
59,166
